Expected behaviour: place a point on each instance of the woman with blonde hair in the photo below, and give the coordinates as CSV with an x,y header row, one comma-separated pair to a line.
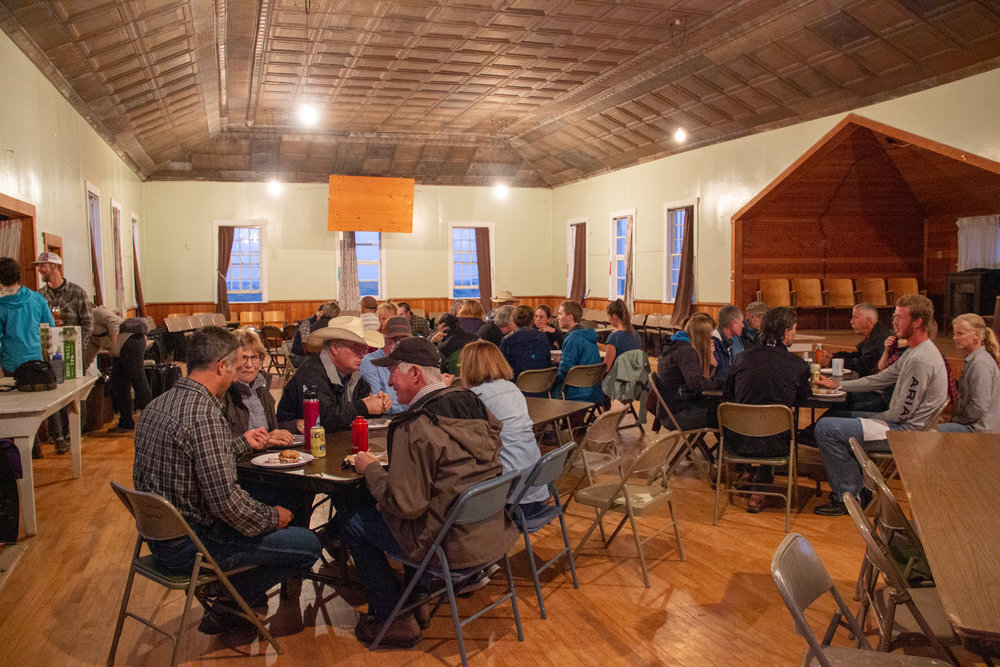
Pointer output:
x,y
487,373
685,371
471,316
978,406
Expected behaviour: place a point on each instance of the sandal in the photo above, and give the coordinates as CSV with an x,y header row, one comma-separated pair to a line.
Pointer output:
x,y
756,503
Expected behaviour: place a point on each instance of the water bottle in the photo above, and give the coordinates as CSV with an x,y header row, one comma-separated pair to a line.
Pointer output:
x,y
57,367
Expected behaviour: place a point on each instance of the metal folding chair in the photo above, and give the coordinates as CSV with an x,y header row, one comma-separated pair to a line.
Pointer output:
x,y
536,381
694,439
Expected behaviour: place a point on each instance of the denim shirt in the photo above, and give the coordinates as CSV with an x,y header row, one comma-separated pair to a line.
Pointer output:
x,y
378,379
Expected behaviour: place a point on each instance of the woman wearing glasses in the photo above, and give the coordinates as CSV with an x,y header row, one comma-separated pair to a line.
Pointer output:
x,y
248,403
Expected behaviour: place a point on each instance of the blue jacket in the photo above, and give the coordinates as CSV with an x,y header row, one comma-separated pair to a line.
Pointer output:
x,y
20,315
724,355
579,349
526,349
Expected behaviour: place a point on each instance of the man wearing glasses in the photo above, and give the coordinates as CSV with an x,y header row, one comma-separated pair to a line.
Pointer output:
x,y
333,377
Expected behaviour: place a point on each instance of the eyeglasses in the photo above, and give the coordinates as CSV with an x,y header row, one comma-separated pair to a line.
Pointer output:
x,y
356,348
252,359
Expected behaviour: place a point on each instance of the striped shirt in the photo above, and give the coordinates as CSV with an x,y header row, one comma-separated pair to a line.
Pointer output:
x,y
186,452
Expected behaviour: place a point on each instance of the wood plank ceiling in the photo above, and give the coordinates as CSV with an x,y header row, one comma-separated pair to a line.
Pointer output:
x,y
532,93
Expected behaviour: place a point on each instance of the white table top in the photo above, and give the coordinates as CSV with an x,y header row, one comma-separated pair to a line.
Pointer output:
x,y
20,402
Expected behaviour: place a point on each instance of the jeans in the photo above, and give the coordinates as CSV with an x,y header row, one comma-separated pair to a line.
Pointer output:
x,y
277,555
58,425
368,539
952,427
128,374
842,469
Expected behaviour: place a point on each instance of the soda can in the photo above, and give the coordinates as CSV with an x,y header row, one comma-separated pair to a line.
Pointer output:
x,y
317,441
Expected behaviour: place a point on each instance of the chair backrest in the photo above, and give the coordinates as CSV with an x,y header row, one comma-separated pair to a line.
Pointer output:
x,y
589,375
757,420
288,331
638,319
890,515
177,314
175,324
876,551
419,312
932,423
150,322
839,292
546,471
802,579
604,429
271,335
203,320
482,501
808,292
536,381
155,517
775,292
652,321
903,286
251,317
653,387
275,317
652,461
871,290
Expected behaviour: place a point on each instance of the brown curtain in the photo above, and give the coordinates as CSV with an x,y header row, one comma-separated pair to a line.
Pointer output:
x,y
225,252
95,267
685,281
140,304
629,293
578,287
483,260
348,292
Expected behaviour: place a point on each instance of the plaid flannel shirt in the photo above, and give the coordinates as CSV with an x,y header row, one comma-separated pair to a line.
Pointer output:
x,y
75,305
185,451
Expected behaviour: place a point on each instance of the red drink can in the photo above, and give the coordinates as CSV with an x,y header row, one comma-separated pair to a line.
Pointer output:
x,y
310,414
359,435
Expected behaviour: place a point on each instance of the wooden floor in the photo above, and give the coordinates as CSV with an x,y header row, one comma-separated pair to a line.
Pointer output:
x,y
718,607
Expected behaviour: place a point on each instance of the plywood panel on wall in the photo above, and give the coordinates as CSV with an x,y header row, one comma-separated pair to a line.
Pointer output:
x,y
370,204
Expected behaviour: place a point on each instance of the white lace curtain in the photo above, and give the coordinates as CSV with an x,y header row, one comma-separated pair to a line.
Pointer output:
x,y
979,242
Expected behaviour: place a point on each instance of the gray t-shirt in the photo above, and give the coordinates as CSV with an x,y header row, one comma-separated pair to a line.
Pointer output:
x,y
979,393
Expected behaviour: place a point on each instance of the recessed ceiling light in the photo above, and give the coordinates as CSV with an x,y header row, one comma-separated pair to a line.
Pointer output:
x,y
308,115
274,188
680,136
500,191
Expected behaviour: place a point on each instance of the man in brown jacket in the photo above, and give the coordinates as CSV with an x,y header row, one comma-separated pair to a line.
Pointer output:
x,y
443,444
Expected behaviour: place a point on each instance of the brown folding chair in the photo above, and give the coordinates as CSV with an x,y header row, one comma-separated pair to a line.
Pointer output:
x,y
806,293
157,519
694,439
774,292
273,340
871,290
902,286
583,376
536,381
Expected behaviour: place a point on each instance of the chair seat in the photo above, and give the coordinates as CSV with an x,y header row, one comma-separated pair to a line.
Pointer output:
x,y
928,601
642,496
597,461
761,460
845,656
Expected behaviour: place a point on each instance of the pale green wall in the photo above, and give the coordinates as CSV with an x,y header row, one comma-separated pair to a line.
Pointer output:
x,y
726,176
301,255
47,154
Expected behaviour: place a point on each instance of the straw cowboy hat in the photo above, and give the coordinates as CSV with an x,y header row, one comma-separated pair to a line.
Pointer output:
x,y
344,328
505,295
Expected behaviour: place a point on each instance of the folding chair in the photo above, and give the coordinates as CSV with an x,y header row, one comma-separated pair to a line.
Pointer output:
x,y
583,376
905,616
887,463
694,439
157,519
620,385
536,381
479,503
801,580
544,473
756,421
272,339
633,499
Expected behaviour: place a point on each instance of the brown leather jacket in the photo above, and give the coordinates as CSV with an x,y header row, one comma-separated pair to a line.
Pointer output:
x,y
442,445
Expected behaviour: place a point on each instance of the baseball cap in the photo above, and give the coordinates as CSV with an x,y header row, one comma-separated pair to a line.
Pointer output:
x,y
397,327
48,258
413,350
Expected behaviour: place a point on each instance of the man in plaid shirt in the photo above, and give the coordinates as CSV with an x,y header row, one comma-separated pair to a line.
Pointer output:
x,y
185,451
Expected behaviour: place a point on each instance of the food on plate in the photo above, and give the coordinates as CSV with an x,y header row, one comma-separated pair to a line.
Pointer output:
x,y
289,456
824,390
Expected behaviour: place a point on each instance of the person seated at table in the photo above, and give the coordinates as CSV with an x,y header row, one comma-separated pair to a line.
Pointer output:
x,y
333,376
384,312
525,348
544,323
764,375
450,339
471,315
396,329
864,359
624,337
487,373
185,451
686,369
502,324
726,341
920,383
443,444
978,407
318,320
579,349
418,324
369,315
753,314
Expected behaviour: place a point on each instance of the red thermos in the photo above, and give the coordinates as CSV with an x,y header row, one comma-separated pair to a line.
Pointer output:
x,y
359,435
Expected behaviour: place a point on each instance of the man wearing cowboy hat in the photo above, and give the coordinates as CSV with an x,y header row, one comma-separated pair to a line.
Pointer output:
x,y
396,329
334,378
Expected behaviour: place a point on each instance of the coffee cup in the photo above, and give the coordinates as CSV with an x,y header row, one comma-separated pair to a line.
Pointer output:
x,y
838,366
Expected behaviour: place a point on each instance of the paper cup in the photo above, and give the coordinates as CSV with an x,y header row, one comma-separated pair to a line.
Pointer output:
x,y
838,366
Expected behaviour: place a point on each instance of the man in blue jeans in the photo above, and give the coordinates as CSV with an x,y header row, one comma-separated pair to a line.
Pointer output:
x,y
921,388
186,452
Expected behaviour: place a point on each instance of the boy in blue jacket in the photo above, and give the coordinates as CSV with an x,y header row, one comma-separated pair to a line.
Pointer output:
x,y
579,349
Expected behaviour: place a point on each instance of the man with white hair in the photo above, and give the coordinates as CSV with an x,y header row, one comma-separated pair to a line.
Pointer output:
x,y
864,360
501,325
446,442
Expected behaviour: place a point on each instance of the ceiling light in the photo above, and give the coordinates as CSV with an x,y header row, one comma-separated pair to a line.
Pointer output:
x,y
500,191
308,115
274,188
680,136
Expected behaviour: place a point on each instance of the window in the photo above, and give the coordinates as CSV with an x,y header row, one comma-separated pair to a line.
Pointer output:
x,y
94,220
679,219
620,264
243,281
464,261
369,251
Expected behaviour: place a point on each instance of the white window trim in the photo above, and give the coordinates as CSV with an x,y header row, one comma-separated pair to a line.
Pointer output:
x,y
381,269
612,294
118,258
259,223
668,230
570,253
133,252
451,254
92,189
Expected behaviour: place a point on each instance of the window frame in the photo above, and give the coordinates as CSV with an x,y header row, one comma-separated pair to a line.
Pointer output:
x,y
668,241
381,263
451,255
570,253
93,194
261,225
613,256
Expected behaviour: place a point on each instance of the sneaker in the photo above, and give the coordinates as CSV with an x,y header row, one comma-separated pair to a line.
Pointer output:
x,y
36,451
216,622
62,446
403,633
478,582
121,429
831,509
756,503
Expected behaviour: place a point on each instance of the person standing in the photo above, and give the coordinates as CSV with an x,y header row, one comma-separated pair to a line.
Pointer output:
x,y
128,373
70,307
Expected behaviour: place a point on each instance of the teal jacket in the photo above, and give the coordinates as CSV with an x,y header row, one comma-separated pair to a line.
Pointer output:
x,y
20,315
579,349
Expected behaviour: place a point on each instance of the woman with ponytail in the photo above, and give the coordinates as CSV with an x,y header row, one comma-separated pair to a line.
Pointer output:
x,y
624,336
978,407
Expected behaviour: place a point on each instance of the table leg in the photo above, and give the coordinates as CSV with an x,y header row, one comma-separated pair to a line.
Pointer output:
x,y
27,486
75,441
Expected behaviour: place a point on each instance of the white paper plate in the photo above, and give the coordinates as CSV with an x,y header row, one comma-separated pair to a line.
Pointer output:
x,y
830,394
376,424
273,460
